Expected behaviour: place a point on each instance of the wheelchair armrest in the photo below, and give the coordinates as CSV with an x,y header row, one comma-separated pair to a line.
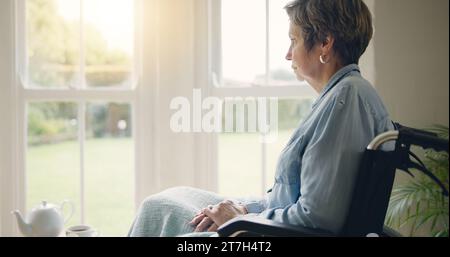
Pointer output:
x,y
258,226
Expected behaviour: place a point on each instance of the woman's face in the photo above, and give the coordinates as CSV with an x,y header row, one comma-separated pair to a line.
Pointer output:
x,y
305,64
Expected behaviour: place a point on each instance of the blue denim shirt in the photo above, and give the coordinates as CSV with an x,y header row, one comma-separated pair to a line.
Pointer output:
x,y
317,168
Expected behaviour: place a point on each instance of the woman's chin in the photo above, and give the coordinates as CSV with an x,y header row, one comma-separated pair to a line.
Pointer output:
x,y
300,77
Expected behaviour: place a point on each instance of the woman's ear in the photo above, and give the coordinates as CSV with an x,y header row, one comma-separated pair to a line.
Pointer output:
x,y
327,45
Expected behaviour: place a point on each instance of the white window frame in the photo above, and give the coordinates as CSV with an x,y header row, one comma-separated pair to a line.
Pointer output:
x,y
136,96
214,76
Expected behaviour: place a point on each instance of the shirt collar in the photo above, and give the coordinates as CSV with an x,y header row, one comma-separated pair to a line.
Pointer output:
x,y
338,76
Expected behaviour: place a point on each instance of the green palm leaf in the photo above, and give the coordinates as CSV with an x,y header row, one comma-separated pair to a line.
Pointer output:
x,y
420,201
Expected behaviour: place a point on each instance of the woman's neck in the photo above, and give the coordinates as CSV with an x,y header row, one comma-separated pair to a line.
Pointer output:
x,y
319,83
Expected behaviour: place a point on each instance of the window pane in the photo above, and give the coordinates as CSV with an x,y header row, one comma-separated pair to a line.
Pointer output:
x,y
290,113
239,152
109,168
280,69
52,43
53,162
240,161
239,164
243,42
109,42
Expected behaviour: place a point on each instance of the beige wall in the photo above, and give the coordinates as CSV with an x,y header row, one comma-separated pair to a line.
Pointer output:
x,y
367,61
411,49
6,107
411,59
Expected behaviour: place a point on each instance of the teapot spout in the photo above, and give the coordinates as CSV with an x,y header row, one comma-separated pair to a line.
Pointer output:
x,y
24,228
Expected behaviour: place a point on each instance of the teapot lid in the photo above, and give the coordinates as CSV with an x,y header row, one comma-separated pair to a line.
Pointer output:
x,y
45,206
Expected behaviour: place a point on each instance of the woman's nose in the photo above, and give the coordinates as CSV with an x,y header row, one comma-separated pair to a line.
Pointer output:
x,y
289,55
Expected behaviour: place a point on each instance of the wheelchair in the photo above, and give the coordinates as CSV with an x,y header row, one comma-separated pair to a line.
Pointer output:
x,y
370,198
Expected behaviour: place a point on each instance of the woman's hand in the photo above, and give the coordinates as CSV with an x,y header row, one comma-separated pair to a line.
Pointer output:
x,y
201,222
224,211
212,217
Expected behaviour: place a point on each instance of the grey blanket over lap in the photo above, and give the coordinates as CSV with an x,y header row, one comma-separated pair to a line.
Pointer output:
x,y
168,213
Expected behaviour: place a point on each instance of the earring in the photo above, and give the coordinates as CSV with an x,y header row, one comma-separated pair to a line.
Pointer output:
x,y
321,60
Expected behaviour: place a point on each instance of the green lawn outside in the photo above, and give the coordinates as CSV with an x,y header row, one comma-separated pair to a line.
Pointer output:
x,y
53,174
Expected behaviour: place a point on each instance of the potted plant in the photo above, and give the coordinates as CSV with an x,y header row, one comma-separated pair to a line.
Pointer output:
x,y
419,203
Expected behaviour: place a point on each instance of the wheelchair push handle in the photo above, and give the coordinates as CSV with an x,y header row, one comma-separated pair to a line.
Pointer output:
x,y
425,139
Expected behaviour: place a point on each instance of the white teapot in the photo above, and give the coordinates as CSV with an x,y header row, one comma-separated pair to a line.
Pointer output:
x,y
46,220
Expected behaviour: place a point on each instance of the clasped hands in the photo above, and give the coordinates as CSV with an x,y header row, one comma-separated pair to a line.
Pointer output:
x,y
211,218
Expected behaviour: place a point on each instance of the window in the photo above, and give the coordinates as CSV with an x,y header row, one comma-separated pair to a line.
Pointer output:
x,y
247,165
252,44
78,71
248,60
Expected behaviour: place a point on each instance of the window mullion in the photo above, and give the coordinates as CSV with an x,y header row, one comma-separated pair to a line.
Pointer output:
x,y
81,140
263,163
267,77
266,83
75,95
21,37
215,42
82,81
21,107
82,115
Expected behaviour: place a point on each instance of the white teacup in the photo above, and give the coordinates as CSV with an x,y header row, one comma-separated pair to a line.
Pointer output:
x,y
81,231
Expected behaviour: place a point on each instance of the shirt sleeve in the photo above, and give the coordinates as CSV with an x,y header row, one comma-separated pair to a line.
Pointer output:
x,y
329,164
255,206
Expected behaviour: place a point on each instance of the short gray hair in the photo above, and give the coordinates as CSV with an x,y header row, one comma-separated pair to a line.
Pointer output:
x,y
349,22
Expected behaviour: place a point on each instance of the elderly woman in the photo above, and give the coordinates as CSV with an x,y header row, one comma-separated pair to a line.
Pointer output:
x,y
317,169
